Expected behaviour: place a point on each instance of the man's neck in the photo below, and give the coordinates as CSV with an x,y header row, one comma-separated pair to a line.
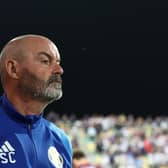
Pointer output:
x,y
26,106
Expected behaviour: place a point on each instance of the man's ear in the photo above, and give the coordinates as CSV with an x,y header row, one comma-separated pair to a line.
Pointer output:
x,y
12,68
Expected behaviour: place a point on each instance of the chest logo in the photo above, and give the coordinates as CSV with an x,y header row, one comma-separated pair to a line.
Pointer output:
x,y
54,157
7,153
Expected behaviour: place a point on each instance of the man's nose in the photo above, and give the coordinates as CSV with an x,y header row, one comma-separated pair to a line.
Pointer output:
x,y
57,69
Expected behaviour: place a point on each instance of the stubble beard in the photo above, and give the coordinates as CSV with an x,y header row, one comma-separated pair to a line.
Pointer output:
x,y
45,91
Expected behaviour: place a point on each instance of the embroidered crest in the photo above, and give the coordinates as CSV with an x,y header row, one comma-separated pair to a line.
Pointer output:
x,y
54,157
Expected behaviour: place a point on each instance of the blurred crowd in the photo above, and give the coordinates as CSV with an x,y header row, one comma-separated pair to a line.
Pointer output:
x,y
118,141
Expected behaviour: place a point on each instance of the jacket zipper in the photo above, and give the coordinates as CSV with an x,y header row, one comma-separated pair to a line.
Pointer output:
x,y
34,147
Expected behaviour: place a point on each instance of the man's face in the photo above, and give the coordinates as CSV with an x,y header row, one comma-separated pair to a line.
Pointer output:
x,y
41,73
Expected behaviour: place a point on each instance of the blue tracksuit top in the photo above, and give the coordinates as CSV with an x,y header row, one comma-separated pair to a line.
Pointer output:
x,y
31,141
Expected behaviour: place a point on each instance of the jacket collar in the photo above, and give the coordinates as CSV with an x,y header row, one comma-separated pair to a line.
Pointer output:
x,y
32,120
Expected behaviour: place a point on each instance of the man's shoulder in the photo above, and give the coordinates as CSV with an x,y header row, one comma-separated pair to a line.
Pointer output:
x,y
55,130
58,133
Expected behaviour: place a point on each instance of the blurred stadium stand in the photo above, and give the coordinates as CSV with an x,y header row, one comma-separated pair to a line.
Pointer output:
x,y
118,141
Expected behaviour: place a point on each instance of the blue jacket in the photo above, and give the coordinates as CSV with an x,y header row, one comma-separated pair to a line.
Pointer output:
x,y
31,141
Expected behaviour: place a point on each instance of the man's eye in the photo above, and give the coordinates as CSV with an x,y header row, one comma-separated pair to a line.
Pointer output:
x,y
45,62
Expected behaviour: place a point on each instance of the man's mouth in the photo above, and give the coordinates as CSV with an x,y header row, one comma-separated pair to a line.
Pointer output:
x,y
55,79
56,84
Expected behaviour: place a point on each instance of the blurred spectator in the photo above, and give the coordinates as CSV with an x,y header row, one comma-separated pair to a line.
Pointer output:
x,y
80,160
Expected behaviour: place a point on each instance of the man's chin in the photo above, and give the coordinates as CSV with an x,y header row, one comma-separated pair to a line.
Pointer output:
x,y
55,97
49,97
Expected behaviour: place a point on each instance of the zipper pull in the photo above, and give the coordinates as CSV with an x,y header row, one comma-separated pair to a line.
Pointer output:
x,y
29,126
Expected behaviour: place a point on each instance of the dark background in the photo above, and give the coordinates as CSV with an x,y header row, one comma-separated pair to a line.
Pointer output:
x,y
114,54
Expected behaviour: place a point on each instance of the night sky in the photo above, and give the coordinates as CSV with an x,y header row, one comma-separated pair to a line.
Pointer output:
x,y
114,54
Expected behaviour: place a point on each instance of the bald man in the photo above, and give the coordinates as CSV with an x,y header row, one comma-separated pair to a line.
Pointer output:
x,y
31,77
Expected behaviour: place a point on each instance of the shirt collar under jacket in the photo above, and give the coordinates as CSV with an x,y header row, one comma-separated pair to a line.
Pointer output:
x,y
32,120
